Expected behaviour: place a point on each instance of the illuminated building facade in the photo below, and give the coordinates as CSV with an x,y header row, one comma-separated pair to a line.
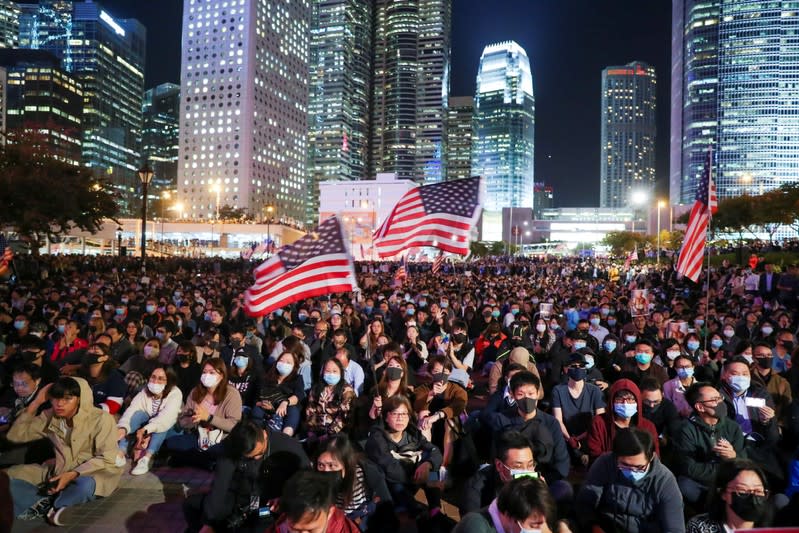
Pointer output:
x,y
628,133
160,139
244,110
9,24
459,137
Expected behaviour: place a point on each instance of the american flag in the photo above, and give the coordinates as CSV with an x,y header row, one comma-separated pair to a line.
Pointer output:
x,y
318,263
401,274
438,262
440,215
632,256
689,263
6,253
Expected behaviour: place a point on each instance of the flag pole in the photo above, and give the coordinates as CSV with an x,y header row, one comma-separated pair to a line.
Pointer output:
x,y
707,234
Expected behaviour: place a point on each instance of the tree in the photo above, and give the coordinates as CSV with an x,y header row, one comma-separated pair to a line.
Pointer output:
x,y
621,242
228,212
43,196
478,249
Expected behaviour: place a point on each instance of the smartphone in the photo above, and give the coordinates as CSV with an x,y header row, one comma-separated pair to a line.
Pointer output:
x,y
445,338
3,420
264,511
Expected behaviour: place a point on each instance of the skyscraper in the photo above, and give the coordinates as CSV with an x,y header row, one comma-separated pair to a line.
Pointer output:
x,y
43,101
9,24
410,87
628,133
159,139
459,137
106,55
244,115
503,141
340,77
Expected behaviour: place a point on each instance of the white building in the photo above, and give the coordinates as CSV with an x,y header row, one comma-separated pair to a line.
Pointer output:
x,y
361,206
243,122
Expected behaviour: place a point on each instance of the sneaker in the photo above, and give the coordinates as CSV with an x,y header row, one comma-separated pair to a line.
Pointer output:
x,y
54,516
121,461
142,467
38,509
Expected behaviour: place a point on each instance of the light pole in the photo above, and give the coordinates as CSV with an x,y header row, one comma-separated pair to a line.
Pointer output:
x,y
146,176
637,198
217,188
119,240
269,210
661,204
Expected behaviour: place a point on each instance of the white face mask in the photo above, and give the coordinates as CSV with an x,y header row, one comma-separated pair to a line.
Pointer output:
x,y
156,388
209,380
540,328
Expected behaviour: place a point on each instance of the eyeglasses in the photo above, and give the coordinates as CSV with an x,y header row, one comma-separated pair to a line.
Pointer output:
x,y
626,399
746,492
398,414
637,468
717,399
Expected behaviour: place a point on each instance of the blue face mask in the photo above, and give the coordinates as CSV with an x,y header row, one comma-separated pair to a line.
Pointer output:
x,y
579,345
61,329
278,312
611,322
594,321
120,311
625,410
630,338
589,362
716,343
241,361
643,358
693,345
303,317
410,311
610,346
150,309
740,383
632,475
495,314
685,373
331,379
368,309
159,336
19,324
284,369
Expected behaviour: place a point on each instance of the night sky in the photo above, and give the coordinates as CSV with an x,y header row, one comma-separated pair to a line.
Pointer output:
x,y
569,42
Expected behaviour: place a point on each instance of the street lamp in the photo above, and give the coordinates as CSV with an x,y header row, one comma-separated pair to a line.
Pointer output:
x,y
146,176
119,240
269,210
638,198
661,205
217,188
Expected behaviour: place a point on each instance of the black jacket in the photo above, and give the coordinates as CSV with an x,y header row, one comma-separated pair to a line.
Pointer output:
x,y
694,444
383,451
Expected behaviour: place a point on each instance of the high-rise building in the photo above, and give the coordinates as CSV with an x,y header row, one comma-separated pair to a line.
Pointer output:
x,y
159,138
694,93
459,137
244,110
106,55
410,87
43,102
544,198
3,78
9,24
340,77
628,133
503,140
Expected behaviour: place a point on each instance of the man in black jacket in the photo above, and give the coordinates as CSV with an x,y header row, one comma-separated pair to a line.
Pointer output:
x,y
256,464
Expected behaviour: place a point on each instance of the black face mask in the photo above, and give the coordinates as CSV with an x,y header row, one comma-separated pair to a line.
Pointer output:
x,y
788,345
764,362
649,410
334,479
459,338
29,356
439,377
527,405
184,358
92,359
748,506
393,373
719,412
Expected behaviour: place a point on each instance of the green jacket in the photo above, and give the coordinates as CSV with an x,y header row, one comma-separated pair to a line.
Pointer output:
x,y
694,444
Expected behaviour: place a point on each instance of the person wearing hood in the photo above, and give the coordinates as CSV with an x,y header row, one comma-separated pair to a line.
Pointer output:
x,y
84,440
630,489
626,411
518,355
708,438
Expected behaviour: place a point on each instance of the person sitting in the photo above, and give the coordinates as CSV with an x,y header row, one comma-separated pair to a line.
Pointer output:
x,y
100,371
674,389
307,505
138,367
212,409
360,487
148,419
26,381
642,366
394,381
33,350
353,372
626,411
630,489
520,356
660,411
187,369
282,392
739,499
776,385
246,375
329,402
83,437
523,505
405,456
254,467
708,438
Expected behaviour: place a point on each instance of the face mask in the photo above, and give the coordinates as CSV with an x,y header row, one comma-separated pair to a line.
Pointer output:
x,y
278,312
630,338
443,305
764,362
240,361
523,530
331,379
159,336
632,475
589,362
19,324
610,346
184,358
649,411
643,358
156,388
124,300
579,345
716,343
393,373
748,506
729,333
739,383
120,311
150,309
410,311
527,405
693,345
604,312
459,338
699,322
303,317
61,329
672,354
788,345
719,412
150,352
625,410
767,331
611,322
29,356
535,301
555,326
594,321
685,373
577,374
209,380
439,377
540,328
495,314
284,369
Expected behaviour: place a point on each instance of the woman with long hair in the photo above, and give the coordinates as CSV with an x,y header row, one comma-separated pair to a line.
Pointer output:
x,y
280,395
149,418
369,341
99,369
393,381
329,402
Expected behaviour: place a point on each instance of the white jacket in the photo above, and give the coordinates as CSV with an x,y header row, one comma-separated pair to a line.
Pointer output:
x,y
167,414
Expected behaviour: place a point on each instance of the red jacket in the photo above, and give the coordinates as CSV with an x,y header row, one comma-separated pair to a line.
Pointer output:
x,y
338,523
603,429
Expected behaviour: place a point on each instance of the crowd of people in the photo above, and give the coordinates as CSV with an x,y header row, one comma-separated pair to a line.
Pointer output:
x,y
551,394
